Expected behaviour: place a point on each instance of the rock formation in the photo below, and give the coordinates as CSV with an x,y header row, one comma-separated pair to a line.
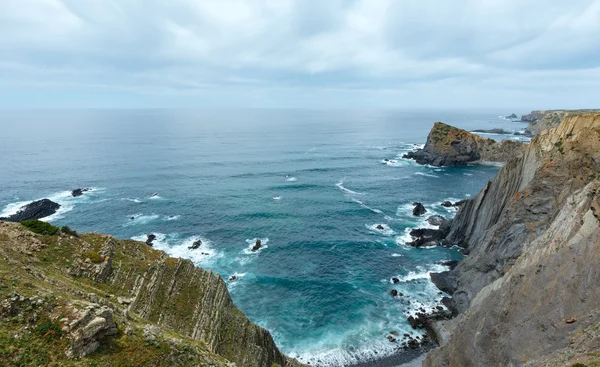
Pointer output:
x,y
526,294
257,246
547,119
136,303
35,210
418,209
450,146
79,192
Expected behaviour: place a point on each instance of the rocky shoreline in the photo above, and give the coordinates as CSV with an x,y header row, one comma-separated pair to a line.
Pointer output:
x,y
499,230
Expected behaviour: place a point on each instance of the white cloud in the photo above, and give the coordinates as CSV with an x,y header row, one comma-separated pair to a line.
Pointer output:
x,y
362,46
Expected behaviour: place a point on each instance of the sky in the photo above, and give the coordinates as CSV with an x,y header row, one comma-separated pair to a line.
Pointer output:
x,y
530,54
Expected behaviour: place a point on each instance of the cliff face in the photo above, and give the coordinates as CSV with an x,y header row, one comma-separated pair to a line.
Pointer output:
x,y
547,119
450,146
143,290
526,291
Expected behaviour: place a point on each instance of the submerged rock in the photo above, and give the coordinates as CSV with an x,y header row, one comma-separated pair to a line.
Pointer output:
x,y
35,210
257,246
419,209
79,192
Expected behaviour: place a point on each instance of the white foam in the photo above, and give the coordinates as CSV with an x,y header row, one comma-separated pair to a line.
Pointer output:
x,y
467,174
425,174
66,200
155,197
386,231
340,185
366,206
252,242
173,217
177,247
133,200
140,218
396,255
291,179
276,197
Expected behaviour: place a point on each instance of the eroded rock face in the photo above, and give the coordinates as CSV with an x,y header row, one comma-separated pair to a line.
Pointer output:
x,y
36,210
90,325
450,146
534,239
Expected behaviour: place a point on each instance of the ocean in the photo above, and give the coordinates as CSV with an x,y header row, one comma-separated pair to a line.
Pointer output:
x,y
313,185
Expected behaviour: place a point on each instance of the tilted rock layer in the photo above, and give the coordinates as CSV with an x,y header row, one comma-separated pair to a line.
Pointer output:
x,y
547,119
117,296
527,292
450,146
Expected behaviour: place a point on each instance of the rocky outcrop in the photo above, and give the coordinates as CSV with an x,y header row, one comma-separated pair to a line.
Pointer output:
x,y
257,245
183,314
450,146
34,210
418,209
533,238
78,192
512,116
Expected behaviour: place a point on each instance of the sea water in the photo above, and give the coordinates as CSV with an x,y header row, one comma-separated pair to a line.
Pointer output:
x,y
312,185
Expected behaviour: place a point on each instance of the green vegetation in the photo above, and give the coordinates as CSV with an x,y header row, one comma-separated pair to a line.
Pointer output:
x,y
40,227
579,365
69,231
95,257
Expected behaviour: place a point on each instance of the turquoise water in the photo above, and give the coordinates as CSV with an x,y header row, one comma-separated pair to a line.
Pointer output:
x,y
313,185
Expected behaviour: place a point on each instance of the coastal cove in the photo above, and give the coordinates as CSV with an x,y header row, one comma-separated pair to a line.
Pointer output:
x,y
327,193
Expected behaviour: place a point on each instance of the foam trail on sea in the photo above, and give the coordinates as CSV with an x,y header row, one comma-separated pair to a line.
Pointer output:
x,y
378,211
140,219
340,185
425,174
291,179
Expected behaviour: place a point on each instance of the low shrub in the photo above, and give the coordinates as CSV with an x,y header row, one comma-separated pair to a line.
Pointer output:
x,y
69,231
40,227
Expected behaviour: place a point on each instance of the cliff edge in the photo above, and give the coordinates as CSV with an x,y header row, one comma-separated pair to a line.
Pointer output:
x,y
90,299
450,146
526,294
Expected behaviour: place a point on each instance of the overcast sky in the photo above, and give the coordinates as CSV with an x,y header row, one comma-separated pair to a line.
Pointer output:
x,y
300,53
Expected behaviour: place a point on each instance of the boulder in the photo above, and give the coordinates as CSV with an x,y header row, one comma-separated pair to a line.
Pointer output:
x,y
195,245
380,227
436,220
257,246
419,209
394,293
395,280
34,210
91,326
447,204
427,236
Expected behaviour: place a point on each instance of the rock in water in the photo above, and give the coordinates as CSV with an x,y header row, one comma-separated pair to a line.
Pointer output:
x,y
78,192
195,245
35,210
419,209
450,146
512,116
380,227
394,293
257,246
447,204
151,237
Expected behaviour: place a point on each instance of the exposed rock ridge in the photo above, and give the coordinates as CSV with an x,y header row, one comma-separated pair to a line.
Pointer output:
x,y
534,242
547,119
450,146
133,287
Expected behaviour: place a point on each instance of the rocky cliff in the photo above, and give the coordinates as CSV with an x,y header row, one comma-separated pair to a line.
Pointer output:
x,y
526,292
547,119
101,301
450,146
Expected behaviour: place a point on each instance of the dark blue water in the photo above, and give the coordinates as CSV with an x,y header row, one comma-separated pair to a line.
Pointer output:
x,y
311,184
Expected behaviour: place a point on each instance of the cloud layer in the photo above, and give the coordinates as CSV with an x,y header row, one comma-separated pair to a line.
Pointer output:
x,y
300,53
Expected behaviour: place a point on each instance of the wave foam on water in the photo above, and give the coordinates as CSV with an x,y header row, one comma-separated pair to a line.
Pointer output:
x,y
340,185
251,242
66,200
291,179
386,231
374,210
425,174
133,200
175,246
